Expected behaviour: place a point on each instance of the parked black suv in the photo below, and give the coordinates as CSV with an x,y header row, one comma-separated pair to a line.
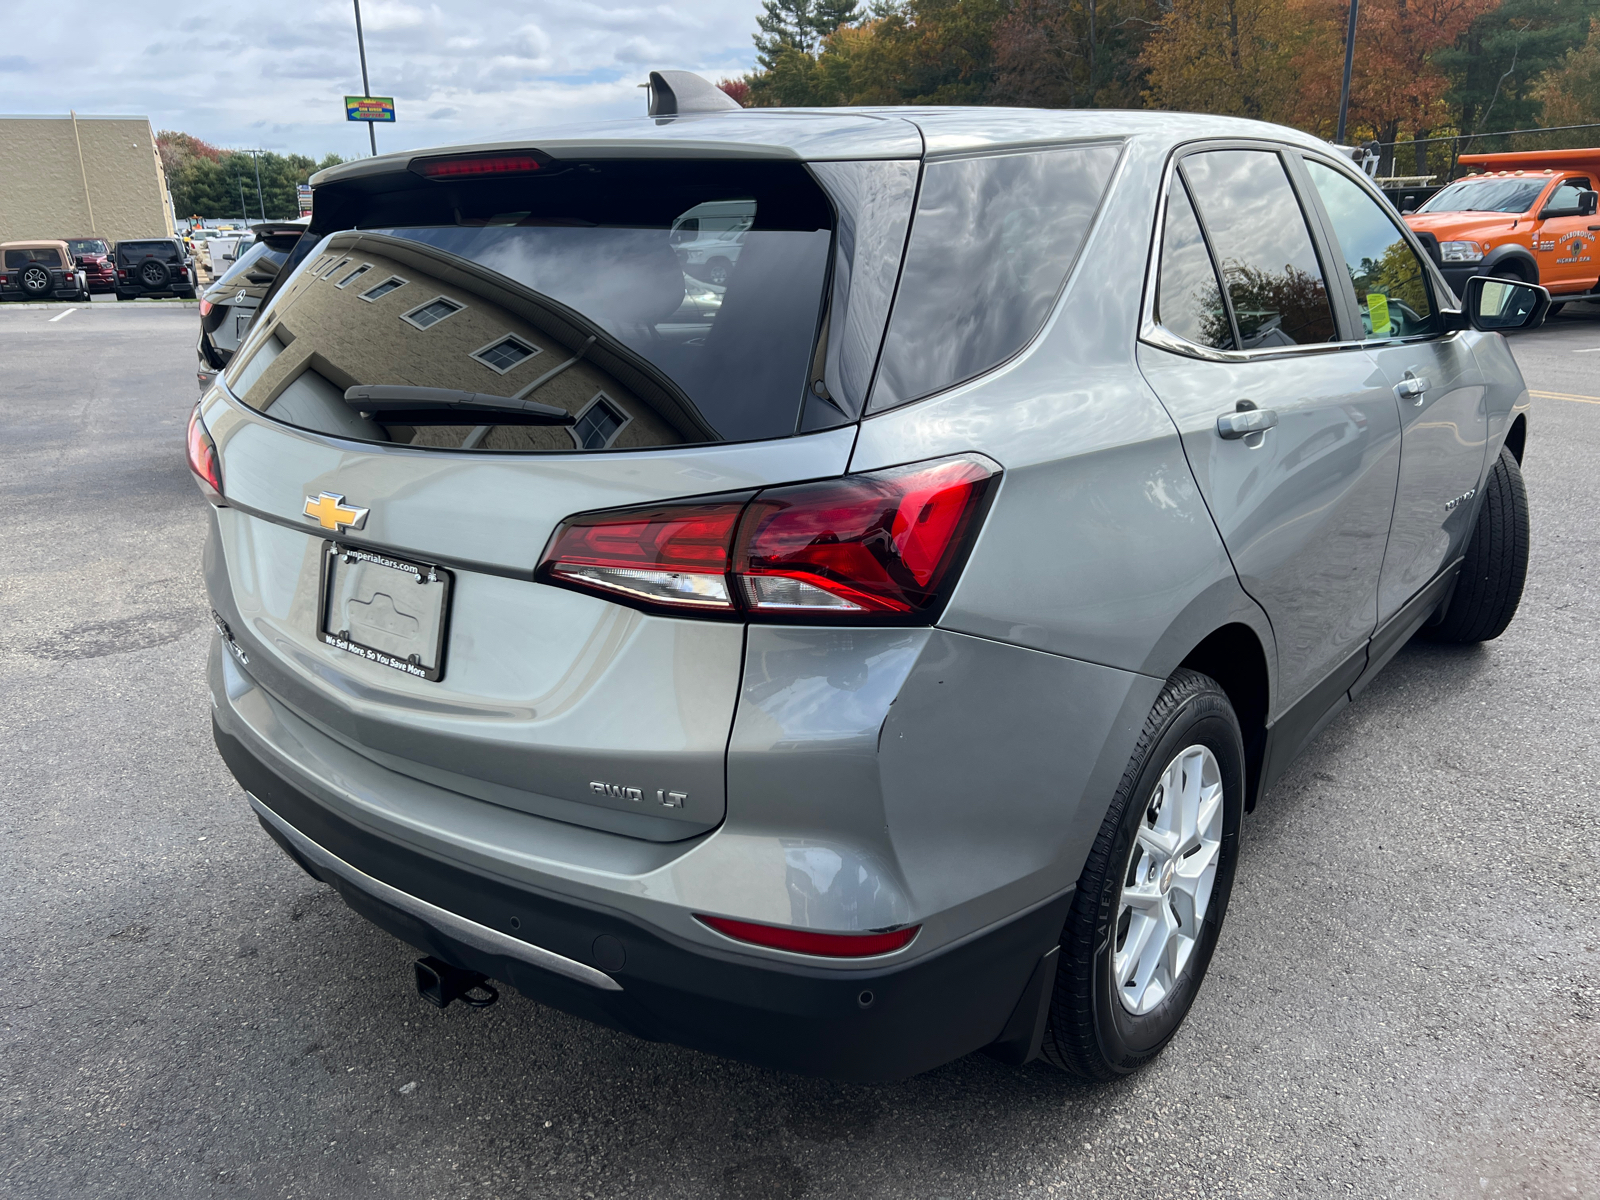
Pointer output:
x,y
156,267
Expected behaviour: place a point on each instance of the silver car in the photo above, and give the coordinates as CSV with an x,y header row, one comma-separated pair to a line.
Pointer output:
x,y
875,666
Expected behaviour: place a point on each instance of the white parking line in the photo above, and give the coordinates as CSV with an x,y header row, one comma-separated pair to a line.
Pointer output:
x,y
1588,350
58,316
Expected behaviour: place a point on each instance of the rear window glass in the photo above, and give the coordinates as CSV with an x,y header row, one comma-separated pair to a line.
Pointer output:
x,y
260,261
138,251
584,290
991,244
44,257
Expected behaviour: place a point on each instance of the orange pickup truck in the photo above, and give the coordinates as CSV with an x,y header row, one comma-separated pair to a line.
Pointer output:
x,y
1527,216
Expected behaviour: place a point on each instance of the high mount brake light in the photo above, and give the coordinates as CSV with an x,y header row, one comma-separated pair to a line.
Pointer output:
x,y
203,458
806,941
474,166
873,548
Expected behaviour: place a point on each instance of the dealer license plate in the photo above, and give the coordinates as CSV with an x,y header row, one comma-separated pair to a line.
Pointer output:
x,y
386,610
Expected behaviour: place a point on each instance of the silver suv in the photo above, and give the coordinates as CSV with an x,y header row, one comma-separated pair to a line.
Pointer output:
x,y
874,662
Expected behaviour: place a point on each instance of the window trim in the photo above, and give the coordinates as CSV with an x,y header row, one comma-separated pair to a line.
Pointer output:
x,y
1152,333
408,315
395,279
533,352
611,403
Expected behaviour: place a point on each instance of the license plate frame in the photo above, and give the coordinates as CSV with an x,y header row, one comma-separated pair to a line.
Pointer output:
x,y
406,573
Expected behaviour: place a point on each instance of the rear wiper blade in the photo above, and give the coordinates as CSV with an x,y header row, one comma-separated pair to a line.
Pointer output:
x,y
447,406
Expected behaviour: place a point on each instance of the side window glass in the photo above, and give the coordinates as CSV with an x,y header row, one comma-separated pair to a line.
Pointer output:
x,y
1269,264
991,244
1189,297
1390,284
1565,197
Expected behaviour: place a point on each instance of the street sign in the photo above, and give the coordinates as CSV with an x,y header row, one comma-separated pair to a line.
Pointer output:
x,y
369,108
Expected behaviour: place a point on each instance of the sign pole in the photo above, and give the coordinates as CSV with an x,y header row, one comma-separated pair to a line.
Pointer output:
x,y
366,88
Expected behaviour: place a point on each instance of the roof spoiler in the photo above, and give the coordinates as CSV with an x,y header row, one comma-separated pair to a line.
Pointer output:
x,y
674,93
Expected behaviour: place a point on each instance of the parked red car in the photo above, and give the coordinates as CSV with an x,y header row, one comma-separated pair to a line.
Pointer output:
x,y
94,255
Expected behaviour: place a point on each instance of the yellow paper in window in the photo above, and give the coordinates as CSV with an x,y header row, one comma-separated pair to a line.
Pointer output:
x,y
1378,313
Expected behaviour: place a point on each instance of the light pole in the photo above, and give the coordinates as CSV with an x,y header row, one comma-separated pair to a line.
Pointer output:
x,y
366,88
1349,57
260,199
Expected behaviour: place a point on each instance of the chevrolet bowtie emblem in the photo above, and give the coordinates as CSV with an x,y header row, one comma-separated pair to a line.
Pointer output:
x,y
329,510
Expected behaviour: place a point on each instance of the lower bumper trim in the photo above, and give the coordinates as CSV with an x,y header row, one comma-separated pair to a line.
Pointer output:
x,y
479,937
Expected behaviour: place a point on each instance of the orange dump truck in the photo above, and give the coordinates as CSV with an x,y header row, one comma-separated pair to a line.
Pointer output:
x,y
1520,216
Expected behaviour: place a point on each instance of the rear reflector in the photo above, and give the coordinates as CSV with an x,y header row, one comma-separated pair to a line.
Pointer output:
x,y
879,548
203,458
806,941
472,166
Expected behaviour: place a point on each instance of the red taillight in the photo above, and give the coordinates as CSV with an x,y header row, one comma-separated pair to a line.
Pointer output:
x,y
471,166
671,555
203,458
879,547
866,543
806,941
205,306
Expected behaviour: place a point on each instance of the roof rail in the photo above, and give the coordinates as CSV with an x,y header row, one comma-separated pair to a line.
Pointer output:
x,y
673,93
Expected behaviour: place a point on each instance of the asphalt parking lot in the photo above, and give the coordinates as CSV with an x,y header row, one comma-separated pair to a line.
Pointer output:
x,y
1405,1001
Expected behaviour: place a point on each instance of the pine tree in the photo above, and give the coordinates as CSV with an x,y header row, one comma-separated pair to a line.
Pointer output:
x,y
798,25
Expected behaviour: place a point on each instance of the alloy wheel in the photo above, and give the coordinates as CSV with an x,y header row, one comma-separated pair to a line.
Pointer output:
x,y
1166,888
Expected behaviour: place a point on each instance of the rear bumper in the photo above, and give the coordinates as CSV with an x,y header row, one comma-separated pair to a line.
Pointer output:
x,y
856,1024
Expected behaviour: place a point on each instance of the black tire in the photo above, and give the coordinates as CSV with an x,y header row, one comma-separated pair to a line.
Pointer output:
x,y
34,281
1509,272
1489,587
1090,1033
125,296
186,293
1554,309
718,270
154,274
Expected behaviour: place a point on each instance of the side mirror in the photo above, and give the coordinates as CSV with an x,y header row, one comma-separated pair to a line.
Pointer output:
x,y
1504,304
1587,202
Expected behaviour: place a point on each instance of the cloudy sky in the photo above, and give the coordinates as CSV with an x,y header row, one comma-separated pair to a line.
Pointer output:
x,y
273,74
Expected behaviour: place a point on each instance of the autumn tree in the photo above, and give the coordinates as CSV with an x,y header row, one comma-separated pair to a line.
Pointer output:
x,y
1073,53
1226,56
1570,92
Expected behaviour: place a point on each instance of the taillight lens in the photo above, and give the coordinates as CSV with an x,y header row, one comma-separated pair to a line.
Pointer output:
x,y
884,547
670,555
203,458
205,306
806,941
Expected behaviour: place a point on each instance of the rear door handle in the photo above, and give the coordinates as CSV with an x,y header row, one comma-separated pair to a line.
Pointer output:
x,y
1245,422
1412,388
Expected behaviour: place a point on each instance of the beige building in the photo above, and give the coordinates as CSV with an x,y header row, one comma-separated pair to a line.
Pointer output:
x,y
81,176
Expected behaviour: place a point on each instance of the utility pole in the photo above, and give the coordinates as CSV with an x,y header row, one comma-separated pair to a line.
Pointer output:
x,y
260,199
366,88
1349,57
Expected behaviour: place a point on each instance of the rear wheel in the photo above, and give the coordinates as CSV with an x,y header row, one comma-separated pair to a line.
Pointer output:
x,y
1489,587
35,282
1554,309
154,274
1152,895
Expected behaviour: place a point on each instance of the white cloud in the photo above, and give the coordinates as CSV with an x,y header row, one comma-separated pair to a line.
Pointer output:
x,y
274,74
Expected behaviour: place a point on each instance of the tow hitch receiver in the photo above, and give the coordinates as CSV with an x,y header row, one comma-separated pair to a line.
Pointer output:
x,y
439,983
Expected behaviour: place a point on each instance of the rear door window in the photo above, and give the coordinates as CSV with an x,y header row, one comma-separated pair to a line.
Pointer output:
x,y
578,290
1390,286
1259,235
1189,296
261,261
991,244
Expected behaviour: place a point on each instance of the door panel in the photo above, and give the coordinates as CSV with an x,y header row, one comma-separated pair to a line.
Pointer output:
x,y
1445,431
1304,513
1566,246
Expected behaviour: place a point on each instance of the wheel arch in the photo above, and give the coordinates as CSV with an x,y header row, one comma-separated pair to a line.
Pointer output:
x,y
1234,656
1513,256
1517,437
